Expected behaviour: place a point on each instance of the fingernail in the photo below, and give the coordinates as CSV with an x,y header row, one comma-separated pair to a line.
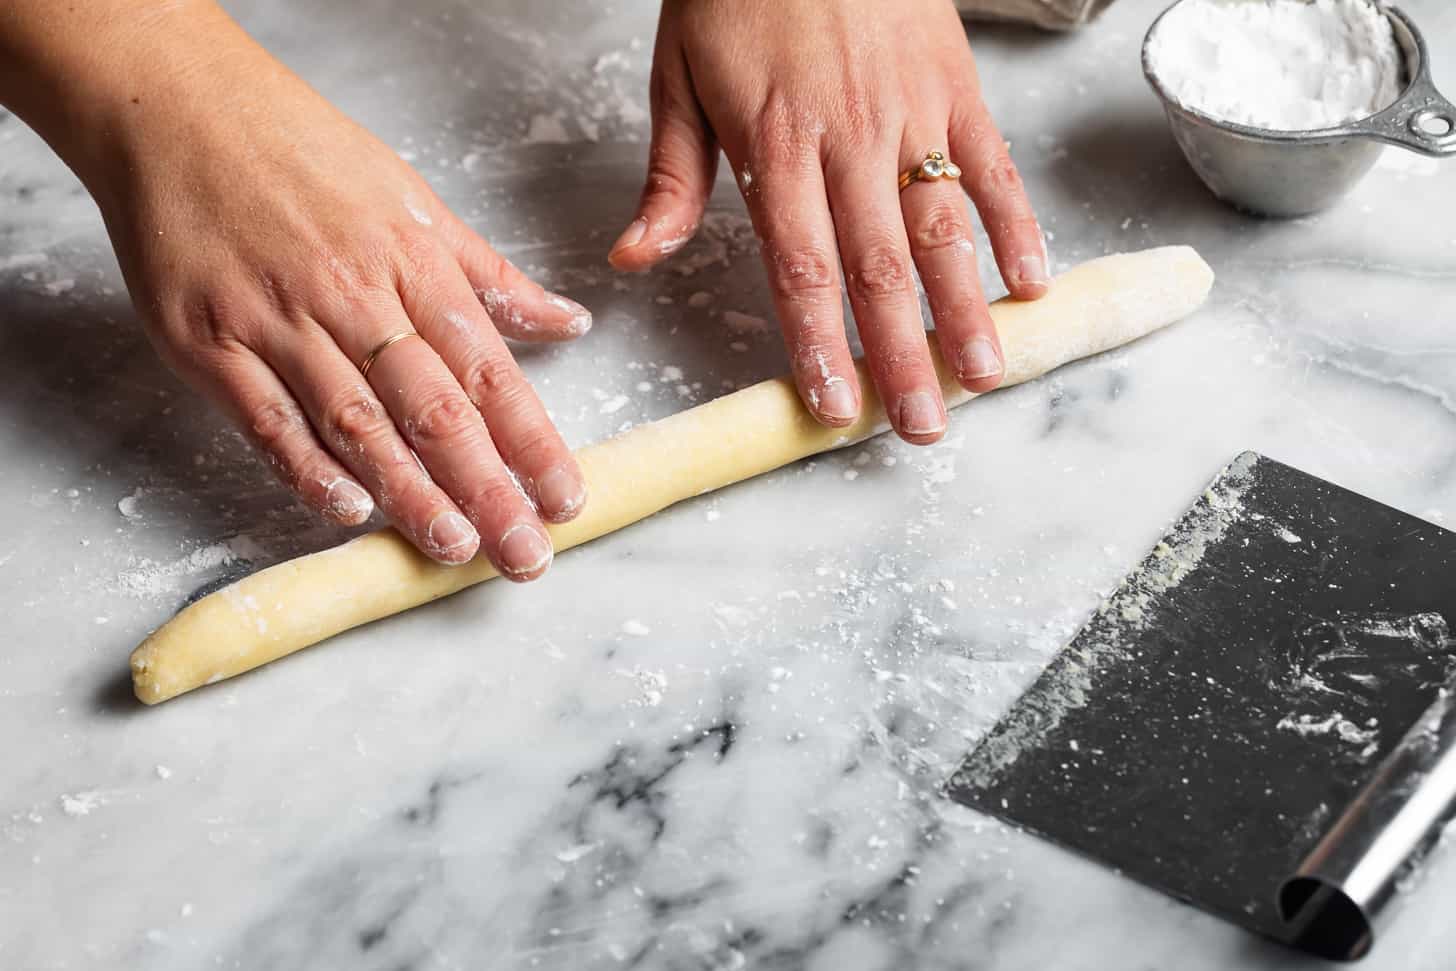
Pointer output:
x,y
524,551
581,318
349,502
1032,270
836,400
979,359
632,235
559,492
920,414
450,533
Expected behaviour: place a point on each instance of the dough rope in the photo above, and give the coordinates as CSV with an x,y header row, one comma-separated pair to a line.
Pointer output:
x,y
1092,308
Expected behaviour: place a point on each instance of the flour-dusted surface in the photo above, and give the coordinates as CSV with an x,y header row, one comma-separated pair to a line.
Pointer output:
x,y
512,772
1292,65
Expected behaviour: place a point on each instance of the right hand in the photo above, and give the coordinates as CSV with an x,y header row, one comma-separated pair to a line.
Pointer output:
x,y
271,244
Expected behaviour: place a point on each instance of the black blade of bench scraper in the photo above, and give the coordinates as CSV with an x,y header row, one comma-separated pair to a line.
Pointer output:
x,y
1220,711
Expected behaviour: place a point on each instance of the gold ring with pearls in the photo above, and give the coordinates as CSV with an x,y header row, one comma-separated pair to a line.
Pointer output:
x,y
935,166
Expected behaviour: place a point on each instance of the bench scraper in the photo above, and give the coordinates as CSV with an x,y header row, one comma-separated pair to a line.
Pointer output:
x,y
1260,720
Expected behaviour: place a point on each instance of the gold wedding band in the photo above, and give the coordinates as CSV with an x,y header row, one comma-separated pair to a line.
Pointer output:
x,y
374,354
935,166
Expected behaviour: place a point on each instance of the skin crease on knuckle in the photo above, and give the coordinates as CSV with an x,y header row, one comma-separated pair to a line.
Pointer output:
x,y
492,380
999,179
443,417
881,271
803,272
275,425
942,227
354,420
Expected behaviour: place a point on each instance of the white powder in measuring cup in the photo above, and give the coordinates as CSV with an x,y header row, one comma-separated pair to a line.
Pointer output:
x,y
1291,65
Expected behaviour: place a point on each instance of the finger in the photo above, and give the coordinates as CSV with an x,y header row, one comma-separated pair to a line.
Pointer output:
x,y
938,223
351,421
792,218
448,434
275,424
995,186
521,308
682,162
878,275
461,333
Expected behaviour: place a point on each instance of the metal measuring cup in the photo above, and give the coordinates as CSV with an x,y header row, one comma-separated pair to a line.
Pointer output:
x,y
1294,173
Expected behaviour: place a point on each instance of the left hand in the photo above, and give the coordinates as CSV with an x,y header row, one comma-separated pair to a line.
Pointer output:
x,y
819,108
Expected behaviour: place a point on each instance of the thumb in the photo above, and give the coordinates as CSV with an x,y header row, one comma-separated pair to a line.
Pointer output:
x,y
681,165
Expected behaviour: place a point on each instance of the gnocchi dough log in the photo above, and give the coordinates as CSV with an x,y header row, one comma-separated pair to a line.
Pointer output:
x,y
285,608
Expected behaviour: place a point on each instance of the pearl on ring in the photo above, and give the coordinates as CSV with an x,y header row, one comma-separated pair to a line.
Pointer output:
x,y
935,166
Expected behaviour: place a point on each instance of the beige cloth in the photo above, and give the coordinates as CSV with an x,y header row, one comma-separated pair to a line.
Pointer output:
x,y
1051,14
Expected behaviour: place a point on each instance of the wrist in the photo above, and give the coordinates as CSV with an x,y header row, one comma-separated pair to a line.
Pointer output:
x,y
95,79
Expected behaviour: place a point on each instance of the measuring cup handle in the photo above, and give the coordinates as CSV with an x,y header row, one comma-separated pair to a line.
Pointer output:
x,y
1422,120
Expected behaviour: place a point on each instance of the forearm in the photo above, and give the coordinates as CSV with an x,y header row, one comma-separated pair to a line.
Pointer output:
x,y
85,73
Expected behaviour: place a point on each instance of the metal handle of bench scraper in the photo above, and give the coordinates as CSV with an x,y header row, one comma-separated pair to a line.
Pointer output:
x,y
1337,899
1421,120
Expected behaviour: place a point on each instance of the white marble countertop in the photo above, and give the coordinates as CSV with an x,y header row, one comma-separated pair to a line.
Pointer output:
x,y
714,740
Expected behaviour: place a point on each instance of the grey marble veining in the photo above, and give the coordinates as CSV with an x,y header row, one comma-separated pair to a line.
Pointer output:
x,y
716,739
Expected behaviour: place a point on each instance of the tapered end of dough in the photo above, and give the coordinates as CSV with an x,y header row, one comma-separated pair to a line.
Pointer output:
x,y
1192,269
143,684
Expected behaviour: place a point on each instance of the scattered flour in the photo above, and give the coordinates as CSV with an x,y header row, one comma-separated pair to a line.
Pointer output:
x,y
741,323
573,853
82,803
18,260
635,628
1286,65
1334,724
127,505
150,579
650,685
722,235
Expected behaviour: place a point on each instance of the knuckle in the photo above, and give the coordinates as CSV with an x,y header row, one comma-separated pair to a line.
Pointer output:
x,y
275,425
801,270
880,271
1000,178
491,378
283,294
781,142
417,255
861,115
443,416
214,318
355,417
942,227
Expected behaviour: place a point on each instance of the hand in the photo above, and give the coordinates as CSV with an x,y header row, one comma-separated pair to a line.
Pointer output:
x,y
819,107
271,245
